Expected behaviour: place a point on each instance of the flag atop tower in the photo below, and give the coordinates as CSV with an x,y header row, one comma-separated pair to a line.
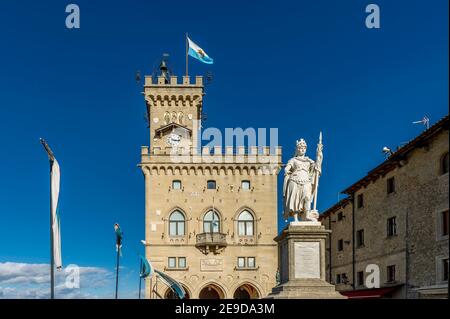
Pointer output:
x,y
196,52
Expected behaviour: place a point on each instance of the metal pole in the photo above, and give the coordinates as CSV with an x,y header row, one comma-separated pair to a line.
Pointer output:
x,y
52,257
117,270
151,289
187,50
140,279
51,158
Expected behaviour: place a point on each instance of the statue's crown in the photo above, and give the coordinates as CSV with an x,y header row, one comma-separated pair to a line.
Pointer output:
x,y
301,142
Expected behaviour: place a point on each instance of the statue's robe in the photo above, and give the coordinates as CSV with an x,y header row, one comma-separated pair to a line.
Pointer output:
x,y
298,185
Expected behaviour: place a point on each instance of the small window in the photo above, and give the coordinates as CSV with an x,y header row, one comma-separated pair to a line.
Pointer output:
x,y
344,279
338,278
360,278
172,262
251,262
340,216
241,262
390,185
360,201
176,184
391,273
360,238
445,269
182,262
340,245
245,185
391,227
211,185
444,221
444,164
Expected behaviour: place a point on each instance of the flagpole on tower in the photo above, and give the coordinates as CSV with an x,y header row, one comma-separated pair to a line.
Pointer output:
x,y
187,52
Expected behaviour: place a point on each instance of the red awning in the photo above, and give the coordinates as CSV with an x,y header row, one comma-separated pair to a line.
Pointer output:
x,y
368,293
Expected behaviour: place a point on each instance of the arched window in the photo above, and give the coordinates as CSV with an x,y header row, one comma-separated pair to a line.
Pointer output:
x,y
245,224
211,222
176,224
444,164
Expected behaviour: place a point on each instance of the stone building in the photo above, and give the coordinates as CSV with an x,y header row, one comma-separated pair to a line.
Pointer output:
x,y
396,218
210,214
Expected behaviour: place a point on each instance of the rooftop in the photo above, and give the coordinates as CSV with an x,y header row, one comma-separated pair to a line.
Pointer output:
x,y
395,158
389,164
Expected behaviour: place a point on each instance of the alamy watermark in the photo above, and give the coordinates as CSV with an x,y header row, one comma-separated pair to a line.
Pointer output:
x,y
73,17
373,19
72,272
373,277
234,145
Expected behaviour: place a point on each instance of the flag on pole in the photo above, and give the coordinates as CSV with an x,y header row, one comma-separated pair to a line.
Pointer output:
x,y
176,287
196,52
56,225
55,176
119,236
147,269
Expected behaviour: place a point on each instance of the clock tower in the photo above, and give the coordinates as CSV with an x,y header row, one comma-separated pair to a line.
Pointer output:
x,y
173,110
210,213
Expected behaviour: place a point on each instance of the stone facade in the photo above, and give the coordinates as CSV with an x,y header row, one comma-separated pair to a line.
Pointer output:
x,y
400,207
210,214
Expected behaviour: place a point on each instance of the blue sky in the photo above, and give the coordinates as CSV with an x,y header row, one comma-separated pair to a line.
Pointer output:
x,y
300,66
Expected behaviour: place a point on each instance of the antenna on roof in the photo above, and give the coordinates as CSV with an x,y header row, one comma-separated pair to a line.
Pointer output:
x,y
425,121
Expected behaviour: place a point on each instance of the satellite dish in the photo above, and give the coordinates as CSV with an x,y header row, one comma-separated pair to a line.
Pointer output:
x,y
387,151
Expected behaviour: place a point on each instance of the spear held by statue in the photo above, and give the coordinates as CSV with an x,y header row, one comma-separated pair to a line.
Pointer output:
x,y
318,169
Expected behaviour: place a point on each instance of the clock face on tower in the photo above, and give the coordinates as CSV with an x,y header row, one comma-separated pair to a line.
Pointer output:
x,y
173,139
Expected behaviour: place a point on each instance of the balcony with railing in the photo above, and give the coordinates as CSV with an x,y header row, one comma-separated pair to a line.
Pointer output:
x,y
211,242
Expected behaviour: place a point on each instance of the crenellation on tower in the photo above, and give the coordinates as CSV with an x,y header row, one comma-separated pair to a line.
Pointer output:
x,y
174,81
215,154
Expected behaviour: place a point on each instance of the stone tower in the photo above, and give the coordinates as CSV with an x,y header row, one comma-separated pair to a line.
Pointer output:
x,y
210,214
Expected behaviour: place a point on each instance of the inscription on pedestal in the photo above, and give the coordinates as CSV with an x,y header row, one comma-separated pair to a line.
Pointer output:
x,y
307,259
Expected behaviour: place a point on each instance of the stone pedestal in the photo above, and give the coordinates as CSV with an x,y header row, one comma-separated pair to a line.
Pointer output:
x,y
301,251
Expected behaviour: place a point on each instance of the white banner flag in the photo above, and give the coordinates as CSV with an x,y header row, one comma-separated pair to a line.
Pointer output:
x,y
55,179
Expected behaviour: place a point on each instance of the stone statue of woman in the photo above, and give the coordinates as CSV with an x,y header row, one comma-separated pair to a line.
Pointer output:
x,y
301,179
